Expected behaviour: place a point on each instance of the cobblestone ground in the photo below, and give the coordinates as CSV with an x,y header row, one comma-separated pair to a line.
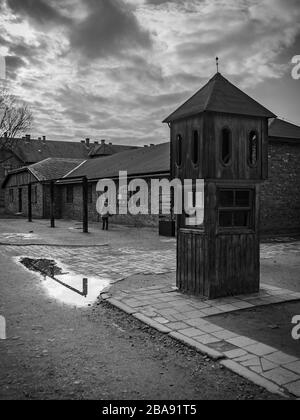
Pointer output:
x,y
120,263
115,264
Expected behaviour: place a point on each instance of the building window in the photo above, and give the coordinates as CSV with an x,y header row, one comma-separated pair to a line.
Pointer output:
x,y
226,146
35,195
70,194
195,148
179,150
253,148
11,195
235,208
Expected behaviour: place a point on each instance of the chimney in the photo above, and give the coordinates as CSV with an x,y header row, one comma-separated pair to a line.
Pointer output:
x,y
28,137
44,139
102,141
87,142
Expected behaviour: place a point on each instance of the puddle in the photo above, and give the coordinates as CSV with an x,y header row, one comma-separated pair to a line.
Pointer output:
x,y
64,285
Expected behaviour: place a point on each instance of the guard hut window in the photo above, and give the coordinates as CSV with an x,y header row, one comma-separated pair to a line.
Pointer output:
x,y
253,148
195,150
235,208
179,150
70,194
226,146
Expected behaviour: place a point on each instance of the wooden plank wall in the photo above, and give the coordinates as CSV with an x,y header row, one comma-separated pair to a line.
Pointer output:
x,y
192,263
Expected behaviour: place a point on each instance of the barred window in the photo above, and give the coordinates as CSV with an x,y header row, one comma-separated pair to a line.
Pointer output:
x,y
235,208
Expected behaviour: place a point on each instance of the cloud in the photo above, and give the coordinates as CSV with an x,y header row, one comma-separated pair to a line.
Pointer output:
x,y
13,63
40,11
115,68
110,28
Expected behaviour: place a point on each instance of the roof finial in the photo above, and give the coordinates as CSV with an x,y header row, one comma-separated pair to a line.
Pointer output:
x,y
217,63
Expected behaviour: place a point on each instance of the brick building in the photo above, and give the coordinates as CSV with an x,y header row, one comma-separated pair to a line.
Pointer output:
x,y
146,163
280,207
38,175
20,152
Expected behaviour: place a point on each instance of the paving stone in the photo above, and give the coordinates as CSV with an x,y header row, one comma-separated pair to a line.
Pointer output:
x,y
206,339
192,315
243,305
294,367
162,320
266,365
281,358
244,358
251,362
281,376
225,335
226,308
176,326
260,349
196,322
190,332
233,354
211,311
241,341
257,369
210,328
294,388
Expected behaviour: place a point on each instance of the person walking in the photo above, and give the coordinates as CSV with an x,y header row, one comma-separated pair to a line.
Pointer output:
x,y
105,215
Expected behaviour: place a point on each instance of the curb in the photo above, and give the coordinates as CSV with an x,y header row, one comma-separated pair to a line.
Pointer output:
x,y
253,377
152,323
200,348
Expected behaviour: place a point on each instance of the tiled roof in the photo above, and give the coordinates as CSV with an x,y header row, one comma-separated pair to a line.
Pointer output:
x,y
32,151
48,169
148,160
53,168
283,129
219,95
109,149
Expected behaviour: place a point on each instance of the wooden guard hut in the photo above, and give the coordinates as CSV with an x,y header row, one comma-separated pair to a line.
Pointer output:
x,y
220,135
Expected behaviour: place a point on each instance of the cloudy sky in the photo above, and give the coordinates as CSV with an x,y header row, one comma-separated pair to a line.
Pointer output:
x,y
113,69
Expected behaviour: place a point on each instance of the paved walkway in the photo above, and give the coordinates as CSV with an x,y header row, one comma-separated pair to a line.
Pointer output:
x,y
188,320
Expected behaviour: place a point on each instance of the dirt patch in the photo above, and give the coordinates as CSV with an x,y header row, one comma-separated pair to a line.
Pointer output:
x,y
271,325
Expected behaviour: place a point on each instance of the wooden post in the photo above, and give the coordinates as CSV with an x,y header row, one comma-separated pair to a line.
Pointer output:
x,y
52,204
85,209
85,287
29,203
